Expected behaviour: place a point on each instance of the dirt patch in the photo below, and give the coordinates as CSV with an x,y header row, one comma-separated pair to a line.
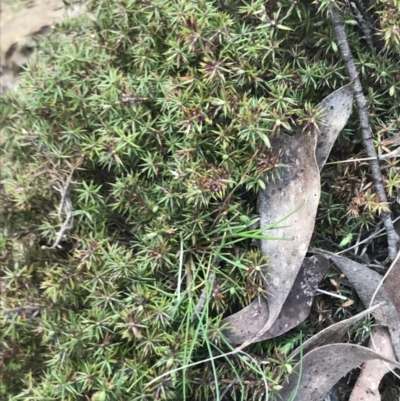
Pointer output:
x,y
22,24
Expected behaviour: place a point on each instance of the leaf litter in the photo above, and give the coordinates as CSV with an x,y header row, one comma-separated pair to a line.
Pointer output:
x,y
392,285
302,156
333,333
372,372
365,281
297,188
337,108
301,159
322,367
294,311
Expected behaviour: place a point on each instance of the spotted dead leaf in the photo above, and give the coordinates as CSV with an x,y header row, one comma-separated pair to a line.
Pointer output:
x,y
296,189
372,372
332,334
347,303
295,310
337,109
322,368
365,281
392,285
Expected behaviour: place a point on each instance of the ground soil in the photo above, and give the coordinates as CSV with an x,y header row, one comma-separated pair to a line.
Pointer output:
x,y
22,24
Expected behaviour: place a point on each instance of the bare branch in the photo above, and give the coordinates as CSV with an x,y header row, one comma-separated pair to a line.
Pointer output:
x,y
362,105
365,26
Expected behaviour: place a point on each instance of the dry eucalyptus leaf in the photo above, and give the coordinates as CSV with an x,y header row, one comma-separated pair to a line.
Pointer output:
x,y
365,281
347,303
372,372
392,140
247,322
298,186
392,285
337,109
323,367
292,199
334,333
295,310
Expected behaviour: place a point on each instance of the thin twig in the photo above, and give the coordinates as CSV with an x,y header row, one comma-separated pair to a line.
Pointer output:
x,y
377,267
230,385
203,296
394,153
377,228
180,271
263,377
331,294
27,308
374,235
357,243
362,105
64,208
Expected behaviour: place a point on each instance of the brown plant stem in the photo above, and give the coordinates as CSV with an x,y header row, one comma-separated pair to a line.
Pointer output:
x,y
366,130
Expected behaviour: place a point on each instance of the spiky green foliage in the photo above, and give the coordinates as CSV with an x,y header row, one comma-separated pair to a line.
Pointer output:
x,y
161,111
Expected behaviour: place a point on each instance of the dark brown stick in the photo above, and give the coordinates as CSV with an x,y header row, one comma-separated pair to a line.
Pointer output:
x,y
366,130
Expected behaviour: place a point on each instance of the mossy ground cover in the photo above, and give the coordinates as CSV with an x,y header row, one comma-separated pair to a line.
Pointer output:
x,y
160,113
